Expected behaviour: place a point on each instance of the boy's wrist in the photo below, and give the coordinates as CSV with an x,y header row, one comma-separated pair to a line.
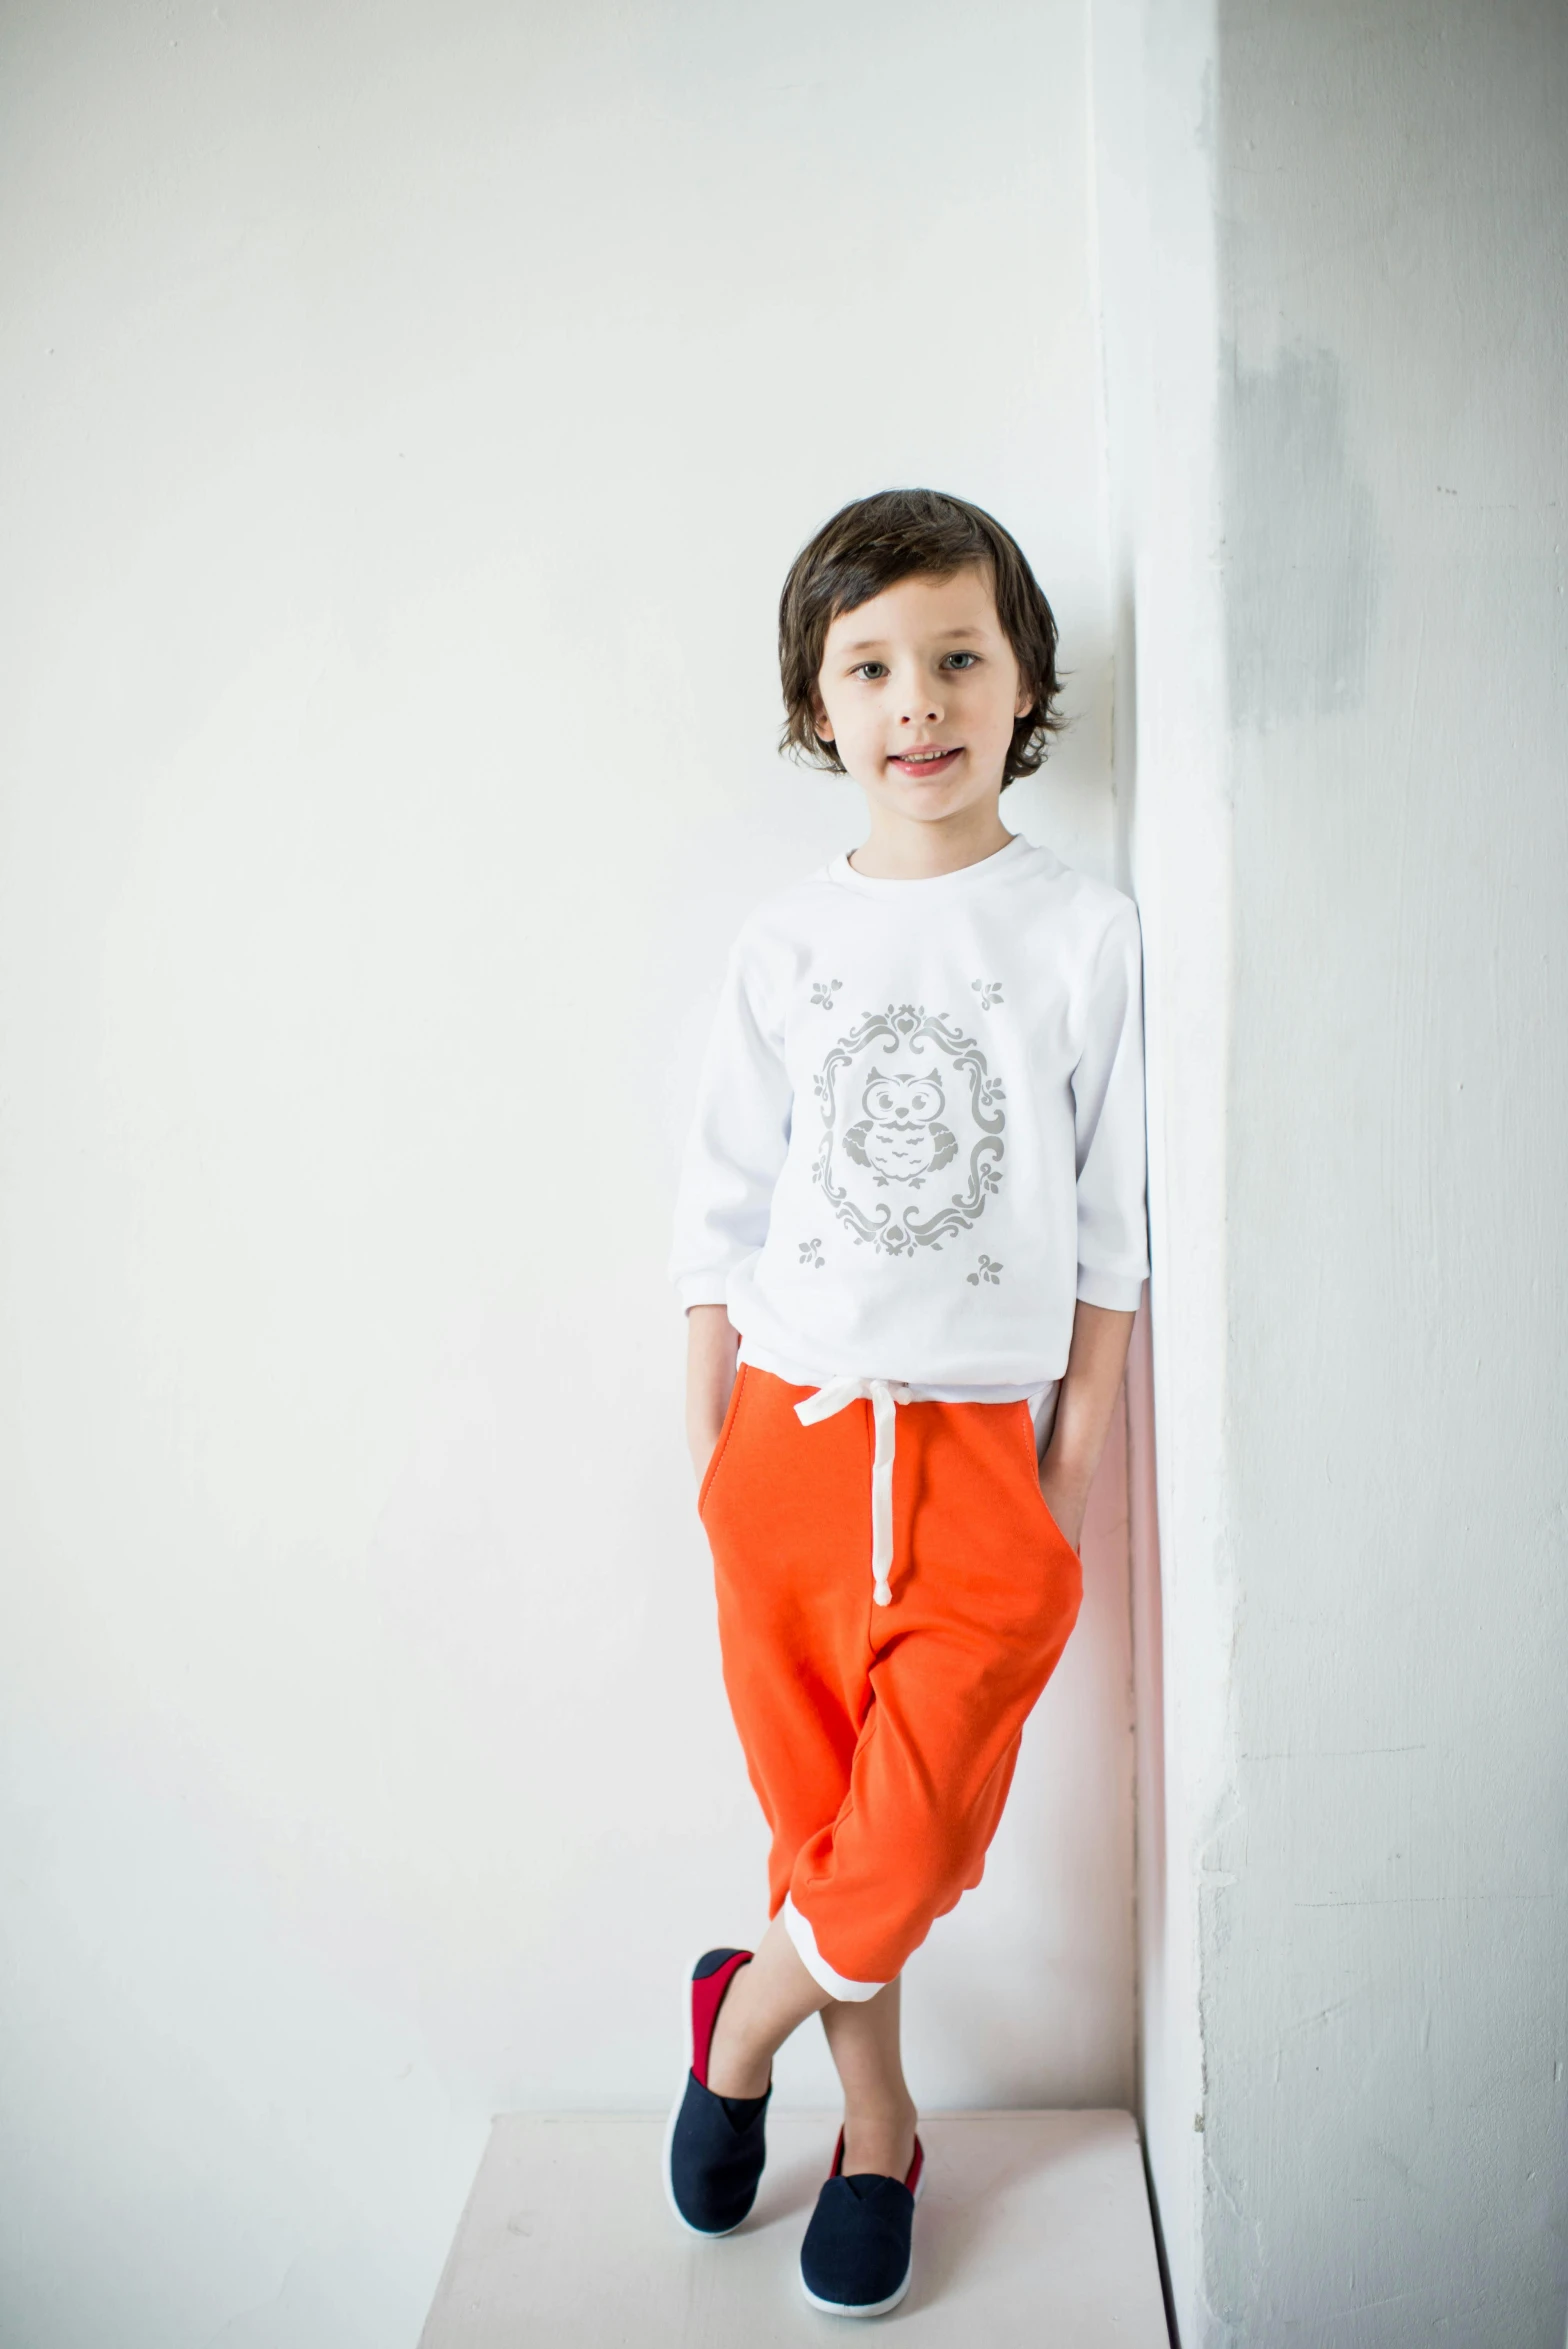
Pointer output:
x,y
1068,1466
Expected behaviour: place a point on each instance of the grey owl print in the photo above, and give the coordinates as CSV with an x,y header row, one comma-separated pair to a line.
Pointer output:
x,y
901,1137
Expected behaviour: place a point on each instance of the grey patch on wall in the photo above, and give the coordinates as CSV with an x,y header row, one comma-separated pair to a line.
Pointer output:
x,y
1300,548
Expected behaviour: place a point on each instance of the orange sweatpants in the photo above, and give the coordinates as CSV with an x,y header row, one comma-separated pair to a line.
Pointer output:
x,y
881,1740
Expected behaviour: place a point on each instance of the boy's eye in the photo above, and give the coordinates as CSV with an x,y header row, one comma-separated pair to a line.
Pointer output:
x,y
871,670
962,660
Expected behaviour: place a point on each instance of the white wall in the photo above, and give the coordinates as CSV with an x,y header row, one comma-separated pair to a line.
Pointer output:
x,y
1336,292
408,417
1386,2004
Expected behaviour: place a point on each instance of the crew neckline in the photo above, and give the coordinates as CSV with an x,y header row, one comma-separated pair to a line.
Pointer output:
x,y
965,877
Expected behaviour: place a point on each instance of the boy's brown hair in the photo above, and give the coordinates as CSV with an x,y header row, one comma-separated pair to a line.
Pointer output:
x,y
898,534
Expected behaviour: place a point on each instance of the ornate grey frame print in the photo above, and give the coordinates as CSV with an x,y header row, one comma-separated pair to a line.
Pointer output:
x,y
921,1098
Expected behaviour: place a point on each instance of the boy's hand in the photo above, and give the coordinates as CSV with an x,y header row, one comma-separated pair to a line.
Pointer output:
x,y
711,1346
1067,1498
701,1441
1087,1397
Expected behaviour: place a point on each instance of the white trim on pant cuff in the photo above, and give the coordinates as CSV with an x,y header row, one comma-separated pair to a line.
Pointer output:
x,y
836,1985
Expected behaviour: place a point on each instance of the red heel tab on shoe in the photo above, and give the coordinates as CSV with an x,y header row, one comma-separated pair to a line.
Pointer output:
x,y
838,2157
916,2166
707,1996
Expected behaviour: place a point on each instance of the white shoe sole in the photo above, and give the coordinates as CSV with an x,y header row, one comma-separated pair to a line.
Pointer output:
x,y
862,2308
870,2307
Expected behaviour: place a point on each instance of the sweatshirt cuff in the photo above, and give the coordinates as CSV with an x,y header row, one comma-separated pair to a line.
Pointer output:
x,y
703,1288
1116,1292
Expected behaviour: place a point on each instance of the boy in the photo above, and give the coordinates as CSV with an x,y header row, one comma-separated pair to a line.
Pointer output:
x,y
910,1239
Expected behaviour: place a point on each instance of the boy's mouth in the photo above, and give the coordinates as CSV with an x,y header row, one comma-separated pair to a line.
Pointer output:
x,y
928,759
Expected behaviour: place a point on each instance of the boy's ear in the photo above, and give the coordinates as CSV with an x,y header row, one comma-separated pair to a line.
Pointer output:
x,y
821,725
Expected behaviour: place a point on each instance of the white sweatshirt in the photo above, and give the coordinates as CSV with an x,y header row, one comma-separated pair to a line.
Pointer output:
x,y
920,1127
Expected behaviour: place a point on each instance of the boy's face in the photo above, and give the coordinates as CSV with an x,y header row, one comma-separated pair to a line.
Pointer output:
x,y
920,690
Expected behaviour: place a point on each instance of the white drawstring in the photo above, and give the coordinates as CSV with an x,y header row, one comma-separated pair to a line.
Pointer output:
x,y
883,1395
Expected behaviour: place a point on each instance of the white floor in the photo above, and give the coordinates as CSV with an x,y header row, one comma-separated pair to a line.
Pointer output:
x,y
1033,2228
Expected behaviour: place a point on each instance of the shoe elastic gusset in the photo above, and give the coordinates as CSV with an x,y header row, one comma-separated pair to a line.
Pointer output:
x,y
856,2259
714,2146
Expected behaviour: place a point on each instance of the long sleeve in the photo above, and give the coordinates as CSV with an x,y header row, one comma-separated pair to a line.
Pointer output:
x,y
738,1141
1108,1109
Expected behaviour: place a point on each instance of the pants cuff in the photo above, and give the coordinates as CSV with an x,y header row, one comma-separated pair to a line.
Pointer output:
x,y
836,1985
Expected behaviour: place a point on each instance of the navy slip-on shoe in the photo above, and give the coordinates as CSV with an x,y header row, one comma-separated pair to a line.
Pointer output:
x,y
714,2146
855,2260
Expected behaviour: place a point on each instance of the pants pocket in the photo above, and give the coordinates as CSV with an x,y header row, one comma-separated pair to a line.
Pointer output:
x,y
732,1412
1032,1470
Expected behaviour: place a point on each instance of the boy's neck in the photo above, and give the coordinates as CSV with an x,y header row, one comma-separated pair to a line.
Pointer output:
x,y
899,849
